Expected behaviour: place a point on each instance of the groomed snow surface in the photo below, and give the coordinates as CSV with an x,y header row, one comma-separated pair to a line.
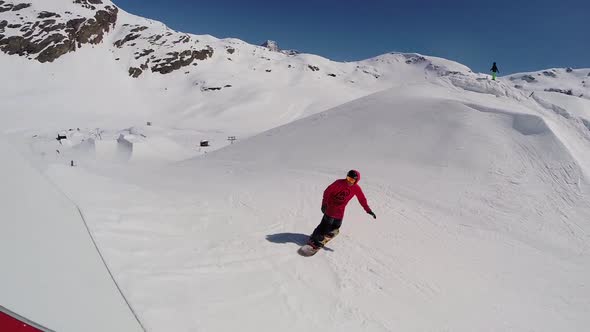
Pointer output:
x,y
482,223
480,189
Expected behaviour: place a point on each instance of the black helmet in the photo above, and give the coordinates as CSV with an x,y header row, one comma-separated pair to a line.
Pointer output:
x,y
353,174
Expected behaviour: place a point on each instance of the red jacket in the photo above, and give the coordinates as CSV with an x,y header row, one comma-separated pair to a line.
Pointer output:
x,y
337,195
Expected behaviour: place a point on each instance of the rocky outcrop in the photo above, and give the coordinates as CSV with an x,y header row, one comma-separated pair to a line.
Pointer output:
x,y
271,45
527,78
44,14
412,59
50,39
129,37
177,60
143,53
135,72
93,30
564,91
274,46
88,3
10,7
21,6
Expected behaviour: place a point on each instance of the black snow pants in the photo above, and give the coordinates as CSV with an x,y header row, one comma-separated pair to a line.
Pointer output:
x,y
327,227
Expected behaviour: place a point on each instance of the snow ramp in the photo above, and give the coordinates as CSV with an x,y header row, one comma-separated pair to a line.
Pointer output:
x,y
52,273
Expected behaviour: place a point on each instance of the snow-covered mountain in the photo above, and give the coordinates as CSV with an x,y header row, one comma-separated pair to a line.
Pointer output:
x,y
572,82
181,79
480,187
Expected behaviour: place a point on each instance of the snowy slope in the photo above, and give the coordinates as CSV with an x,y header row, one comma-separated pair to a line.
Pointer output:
x,y
482,223
213,84
574,82
52,273
480,186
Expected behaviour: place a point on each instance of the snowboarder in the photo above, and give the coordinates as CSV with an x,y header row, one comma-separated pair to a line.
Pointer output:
x,y
494,70
336,196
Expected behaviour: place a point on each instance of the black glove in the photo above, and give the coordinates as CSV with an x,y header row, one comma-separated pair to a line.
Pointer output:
x,y
373,214
323,209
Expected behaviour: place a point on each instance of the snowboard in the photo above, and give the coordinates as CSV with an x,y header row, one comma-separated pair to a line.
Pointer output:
x,y
307,250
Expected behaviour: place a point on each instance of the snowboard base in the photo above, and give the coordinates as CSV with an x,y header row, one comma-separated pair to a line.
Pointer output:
x,y
307,250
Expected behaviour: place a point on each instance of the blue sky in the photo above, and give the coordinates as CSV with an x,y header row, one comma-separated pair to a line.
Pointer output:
x,y
519,35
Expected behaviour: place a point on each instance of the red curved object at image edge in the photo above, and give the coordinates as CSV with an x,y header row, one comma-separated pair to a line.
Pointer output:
x,y
10,324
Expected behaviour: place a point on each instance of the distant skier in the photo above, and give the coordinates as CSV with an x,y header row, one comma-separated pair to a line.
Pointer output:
x,y
494,70
336,196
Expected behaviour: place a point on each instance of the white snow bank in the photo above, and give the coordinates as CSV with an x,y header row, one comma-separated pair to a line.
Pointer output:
x,y
52,273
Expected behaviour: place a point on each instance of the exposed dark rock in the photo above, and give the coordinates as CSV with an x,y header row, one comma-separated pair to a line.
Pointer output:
x,y
102,22
129,37
50,39
155,38
48,26
549,73
313,68
567,92
14,26
216,88
569,69
414,59
139,29
183,39
268,70
3,25
74,25
372,74
43,15
179,60
55,51
1,2
227,86
230,50
22,46
135,72
144,66
271,45
5,8
203,54
31,30
46,23
333,75
88,3
21,6
144,53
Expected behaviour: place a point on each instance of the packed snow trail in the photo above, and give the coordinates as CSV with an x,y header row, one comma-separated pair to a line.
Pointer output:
x,y
482,224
